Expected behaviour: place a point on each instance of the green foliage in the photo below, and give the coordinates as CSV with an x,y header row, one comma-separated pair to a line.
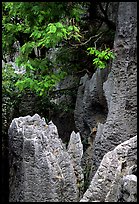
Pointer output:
x,y
10,95
101,57
9,78
39,86
54,33
38,25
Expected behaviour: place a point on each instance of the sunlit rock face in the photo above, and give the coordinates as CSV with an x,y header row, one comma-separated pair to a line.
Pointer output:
x,y
41,169
116,177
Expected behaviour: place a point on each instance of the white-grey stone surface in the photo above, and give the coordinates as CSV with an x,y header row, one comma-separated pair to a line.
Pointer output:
x,y
114,180
41,169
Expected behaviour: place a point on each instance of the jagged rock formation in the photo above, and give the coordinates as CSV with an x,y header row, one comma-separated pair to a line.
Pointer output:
x,y
41,169
108,101
116,177
121,87
90,110
75,150
63,116
91,106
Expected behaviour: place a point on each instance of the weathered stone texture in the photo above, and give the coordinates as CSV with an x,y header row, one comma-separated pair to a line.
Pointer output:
x,y
42,169
40,166
90,110
121,87
115,179
75,150
91,106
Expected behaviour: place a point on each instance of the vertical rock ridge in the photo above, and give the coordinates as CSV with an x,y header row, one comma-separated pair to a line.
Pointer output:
x,y
121,122
40,166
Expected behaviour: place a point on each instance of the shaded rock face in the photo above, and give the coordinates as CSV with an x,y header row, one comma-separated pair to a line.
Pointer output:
x,y
91,105
65,124
90,109
108,101
65,102
121,87
41,169
116,177
69,83
112,11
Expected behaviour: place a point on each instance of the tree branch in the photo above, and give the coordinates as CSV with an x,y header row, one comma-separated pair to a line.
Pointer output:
x,y
81,44
110,23
66,89
102,9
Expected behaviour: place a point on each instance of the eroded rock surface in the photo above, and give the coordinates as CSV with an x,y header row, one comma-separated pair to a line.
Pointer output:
x,y
109,99
91,105
42,169
116,177
121,86
75,150
40,166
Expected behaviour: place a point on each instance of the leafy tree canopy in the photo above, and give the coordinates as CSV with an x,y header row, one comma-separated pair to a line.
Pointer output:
x,y
39,26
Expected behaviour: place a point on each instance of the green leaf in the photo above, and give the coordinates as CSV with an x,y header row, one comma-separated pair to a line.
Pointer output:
x,y
96,61
91,50
60,34
106,57
70,28
42,42
64,31
101,65
20,85
46,84
97,52
102,56
41,93
30,66
76,29
52,29
59,25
